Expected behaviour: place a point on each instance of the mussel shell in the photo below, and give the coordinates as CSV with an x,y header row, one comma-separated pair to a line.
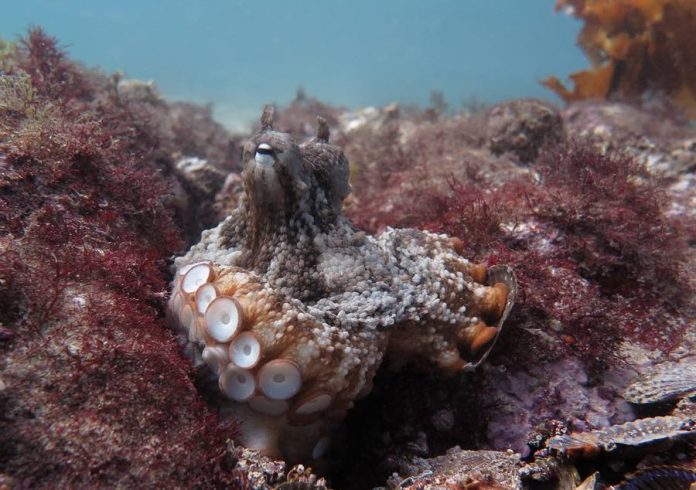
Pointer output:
x,y
496,274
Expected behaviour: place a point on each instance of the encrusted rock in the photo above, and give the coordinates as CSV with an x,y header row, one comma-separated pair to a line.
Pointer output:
x,y
461,469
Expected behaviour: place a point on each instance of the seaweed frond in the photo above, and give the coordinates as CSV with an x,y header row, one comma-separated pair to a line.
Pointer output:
x,y
636,47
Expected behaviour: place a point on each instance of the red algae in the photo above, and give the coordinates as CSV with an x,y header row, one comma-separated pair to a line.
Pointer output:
x,y
95,390
616,211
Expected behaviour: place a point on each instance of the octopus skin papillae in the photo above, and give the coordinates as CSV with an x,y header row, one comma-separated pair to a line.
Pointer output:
x,y
293,309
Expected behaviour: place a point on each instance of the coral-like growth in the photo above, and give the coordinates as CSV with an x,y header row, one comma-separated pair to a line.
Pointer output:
x,y
94,390
635,47
466,212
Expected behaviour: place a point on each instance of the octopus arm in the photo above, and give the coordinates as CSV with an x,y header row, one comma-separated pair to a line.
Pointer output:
x,y
453,309
272,356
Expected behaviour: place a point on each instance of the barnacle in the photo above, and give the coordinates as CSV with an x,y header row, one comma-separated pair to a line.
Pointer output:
x,y
294,308
635,47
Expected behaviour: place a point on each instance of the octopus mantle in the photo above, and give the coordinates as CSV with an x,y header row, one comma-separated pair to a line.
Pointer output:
x,y
293,309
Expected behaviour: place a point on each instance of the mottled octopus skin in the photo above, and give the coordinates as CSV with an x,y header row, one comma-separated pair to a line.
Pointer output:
x,y
322,301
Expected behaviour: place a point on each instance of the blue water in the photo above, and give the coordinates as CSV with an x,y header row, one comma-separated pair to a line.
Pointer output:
x,y
242,54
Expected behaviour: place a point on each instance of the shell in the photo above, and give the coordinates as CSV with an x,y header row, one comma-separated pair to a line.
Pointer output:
x,y
660,477
638,436
496,274
663,385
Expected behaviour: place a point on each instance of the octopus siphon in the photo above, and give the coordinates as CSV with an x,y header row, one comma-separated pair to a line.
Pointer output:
x,y
293,309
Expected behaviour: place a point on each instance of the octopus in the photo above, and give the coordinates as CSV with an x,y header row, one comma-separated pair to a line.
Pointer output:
x,y
293,309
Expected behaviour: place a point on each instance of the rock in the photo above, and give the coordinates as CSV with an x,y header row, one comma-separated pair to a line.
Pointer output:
x,y
523,128
654,135
200,175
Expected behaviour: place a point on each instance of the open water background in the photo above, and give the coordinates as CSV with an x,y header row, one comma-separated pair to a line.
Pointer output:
x,y
242,54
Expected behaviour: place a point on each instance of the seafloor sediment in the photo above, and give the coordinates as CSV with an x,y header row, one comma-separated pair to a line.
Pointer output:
x,y
102,182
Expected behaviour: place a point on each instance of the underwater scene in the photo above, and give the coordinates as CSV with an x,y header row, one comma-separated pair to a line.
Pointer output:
x,y
396,244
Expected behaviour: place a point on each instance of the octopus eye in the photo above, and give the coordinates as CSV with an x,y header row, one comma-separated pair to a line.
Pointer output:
x,y
264,154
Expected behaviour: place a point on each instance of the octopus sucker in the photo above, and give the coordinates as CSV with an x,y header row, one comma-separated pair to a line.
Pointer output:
x,y
295,309
280,379
205,294
237,384
195,277
186,317
482,338
245,350
215,357
223,318
313,403
493,301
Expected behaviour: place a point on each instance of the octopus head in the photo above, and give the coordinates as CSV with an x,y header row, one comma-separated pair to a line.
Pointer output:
x,y
274,171
279,174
